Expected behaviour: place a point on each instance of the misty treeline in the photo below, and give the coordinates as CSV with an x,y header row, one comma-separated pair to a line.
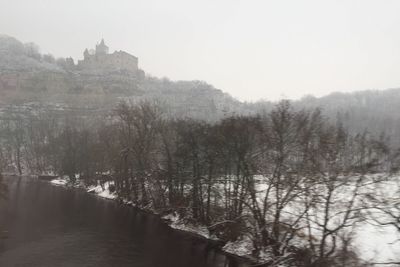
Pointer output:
x,y
290,181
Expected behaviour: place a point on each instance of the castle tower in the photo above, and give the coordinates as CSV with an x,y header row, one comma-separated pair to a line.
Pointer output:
x,y
101,49
86,54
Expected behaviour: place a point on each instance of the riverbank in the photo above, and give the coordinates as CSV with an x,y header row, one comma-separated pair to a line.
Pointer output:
x,y
370,241
241,250
51,225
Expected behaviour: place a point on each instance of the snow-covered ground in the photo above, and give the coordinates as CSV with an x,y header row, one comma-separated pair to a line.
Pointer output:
x,y
242,247
177,223
372,243
59,181
103,192
377,243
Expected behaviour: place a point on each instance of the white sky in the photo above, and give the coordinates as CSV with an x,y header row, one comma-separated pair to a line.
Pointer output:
x,y
251,49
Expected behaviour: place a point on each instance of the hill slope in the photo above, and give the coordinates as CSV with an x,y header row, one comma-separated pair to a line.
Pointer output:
x,y
26,75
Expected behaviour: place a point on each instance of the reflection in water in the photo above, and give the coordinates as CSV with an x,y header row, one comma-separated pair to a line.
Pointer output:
x,y
3,188
55,226
3,197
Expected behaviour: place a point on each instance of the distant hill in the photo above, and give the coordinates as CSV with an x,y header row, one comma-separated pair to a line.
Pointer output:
x,y
16,56
376,111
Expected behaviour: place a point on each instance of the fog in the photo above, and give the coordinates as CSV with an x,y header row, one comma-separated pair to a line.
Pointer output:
x,y
250,49
266,132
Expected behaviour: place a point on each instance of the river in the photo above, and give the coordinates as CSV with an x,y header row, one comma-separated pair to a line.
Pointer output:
x,y
52,226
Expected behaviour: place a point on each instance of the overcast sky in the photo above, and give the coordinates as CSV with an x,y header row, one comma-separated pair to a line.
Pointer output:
x,y
251,49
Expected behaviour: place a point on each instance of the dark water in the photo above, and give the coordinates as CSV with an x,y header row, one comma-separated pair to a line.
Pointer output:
x,y
50,226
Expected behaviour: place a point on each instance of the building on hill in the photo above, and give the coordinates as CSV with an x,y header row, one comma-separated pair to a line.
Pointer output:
x,y
101,61
101,49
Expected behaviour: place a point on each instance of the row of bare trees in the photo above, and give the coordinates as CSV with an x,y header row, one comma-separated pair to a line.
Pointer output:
x,y
289,179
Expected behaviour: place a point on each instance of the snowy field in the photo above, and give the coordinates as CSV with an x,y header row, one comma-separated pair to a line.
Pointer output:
x,y
377,243
372,242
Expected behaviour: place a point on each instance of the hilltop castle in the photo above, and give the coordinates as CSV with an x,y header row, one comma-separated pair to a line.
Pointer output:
x,y
101,61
